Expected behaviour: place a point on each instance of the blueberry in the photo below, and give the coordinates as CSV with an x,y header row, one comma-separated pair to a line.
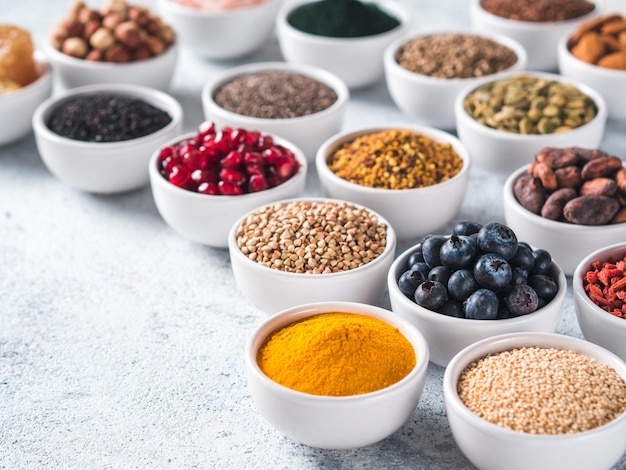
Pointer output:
x,y
431,295
466,227
544,285
522,300
458,251
408,282
453,308
482,305
498,238
416,256
461,284
543,262
520,276
492,271
440,273
430,250
422,268
523,258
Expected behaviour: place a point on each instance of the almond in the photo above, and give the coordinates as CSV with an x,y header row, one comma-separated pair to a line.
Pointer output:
x,y
590,48
614,27
617,61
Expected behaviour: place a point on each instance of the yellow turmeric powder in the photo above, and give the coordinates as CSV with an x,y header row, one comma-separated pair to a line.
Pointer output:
x,y
337,354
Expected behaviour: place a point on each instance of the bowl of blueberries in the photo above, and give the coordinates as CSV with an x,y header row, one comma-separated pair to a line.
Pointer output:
x,y
477,282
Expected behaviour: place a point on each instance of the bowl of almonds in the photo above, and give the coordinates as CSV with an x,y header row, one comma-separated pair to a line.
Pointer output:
x,y
570,200
595,54
118,43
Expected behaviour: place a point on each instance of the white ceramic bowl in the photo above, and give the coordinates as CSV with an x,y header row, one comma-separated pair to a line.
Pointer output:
x,y
306,132
430,99
492,447
272,290
411,212
540,39
17,108
357,61
607,82
103,167
598,325
156,72
503,152
221,35
335,422
567,243
207,219
447,335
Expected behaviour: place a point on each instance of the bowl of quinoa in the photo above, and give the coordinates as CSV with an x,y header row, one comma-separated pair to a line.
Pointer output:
x,y
537,400
306,250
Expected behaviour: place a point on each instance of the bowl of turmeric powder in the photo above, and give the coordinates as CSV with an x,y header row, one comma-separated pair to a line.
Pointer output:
x,y
336,375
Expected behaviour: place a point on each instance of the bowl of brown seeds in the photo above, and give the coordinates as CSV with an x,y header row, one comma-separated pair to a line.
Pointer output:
x,y
537,400
301,103
305,250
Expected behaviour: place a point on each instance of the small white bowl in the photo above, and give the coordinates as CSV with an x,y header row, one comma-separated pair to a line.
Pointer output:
x,y
540,39
567,243
447,335
103,167
598,325
17,107
357,61
156,72
207,219
503,152
491,447
431,99
411,212
272,290
306,132
224,34
607,82
335,422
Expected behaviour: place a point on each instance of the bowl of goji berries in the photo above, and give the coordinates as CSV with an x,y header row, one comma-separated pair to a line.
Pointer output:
x,y
202,182
599,285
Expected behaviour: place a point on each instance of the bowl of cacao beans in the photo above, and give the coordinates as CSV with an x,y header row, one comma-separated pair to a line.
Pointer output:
x,y
504,122
118,43
570,200
595,55
476,282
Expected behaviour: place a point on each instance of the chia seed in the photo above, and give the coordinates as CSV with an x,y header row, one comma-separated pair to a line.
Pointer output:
x,y
106,118
275,95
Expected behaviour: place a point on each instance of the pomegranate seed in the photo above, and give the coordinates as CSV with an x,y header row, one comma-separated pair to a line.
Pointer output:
x,y
209,188
203,176
257,183
194,159
271,155
228,189
253,169
253,158
234,177
286,168
232,161
179,175
205,129
266,141
166,152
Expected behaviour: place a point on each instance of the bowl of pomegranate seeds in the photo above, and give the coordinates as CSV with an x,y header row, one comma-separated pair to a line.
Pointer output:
x,y
202,182
599,285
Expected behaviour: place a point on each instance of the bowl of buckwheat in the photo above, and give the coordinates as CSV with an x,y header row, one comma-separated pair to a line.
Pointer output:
x,y
424,73
504,122
305,250
418,189
537,400
117,43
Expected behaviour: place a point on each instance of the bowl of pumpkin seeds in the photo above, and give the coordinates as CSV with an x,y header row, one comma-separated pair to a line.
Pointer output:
x,y
503,123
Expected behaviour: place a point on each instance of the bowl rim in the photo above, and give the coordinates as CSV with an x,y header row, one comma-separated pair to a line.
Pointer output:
x,y
439,135
577,285
157,178
300,312
462,116
172,6
389,6
235,251
501,343
166,103
565,54
430,315
532,26
553,225
512,44
42,64
310,71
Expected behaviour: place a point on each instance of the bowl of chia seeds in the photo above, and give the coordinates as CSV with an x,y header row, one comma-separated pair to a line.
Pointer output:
x,y
537,400
300,103
100,138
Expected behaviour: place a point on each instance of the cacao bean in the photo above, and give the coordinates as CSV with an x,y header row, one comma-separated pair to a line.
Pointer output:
x,y
529,192
591,210
620,179
546,175
553,207
589,154
557,157
568,177
598,187
601,166
620,217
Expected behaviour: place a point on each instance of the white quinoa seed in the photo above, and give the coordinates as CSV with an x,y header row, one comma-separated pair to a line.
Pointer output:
x,y
543,391
313,237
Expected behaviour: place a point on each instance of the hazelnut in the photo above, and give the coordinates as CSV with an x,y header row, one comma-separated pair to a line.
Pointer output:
x,y
111,20
156,45
74,28
152,27
75,8
138,15
167,34
95,56
87,14
75,47
141,53
90,28
101,39
57,36
117,53
128,34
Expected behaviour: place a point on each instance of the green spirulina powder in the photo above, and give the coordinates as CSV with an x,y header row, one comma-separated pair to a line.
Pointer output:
x,y
341,19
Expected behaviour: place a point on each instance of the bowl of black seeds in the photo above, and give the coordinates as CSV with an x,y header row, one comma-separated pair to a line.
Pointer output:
x,y
302,104
100,138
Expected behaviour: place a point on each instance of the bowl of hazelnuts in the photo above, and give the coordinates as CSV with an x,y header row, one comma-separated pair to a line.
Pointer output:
x,y
118,43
